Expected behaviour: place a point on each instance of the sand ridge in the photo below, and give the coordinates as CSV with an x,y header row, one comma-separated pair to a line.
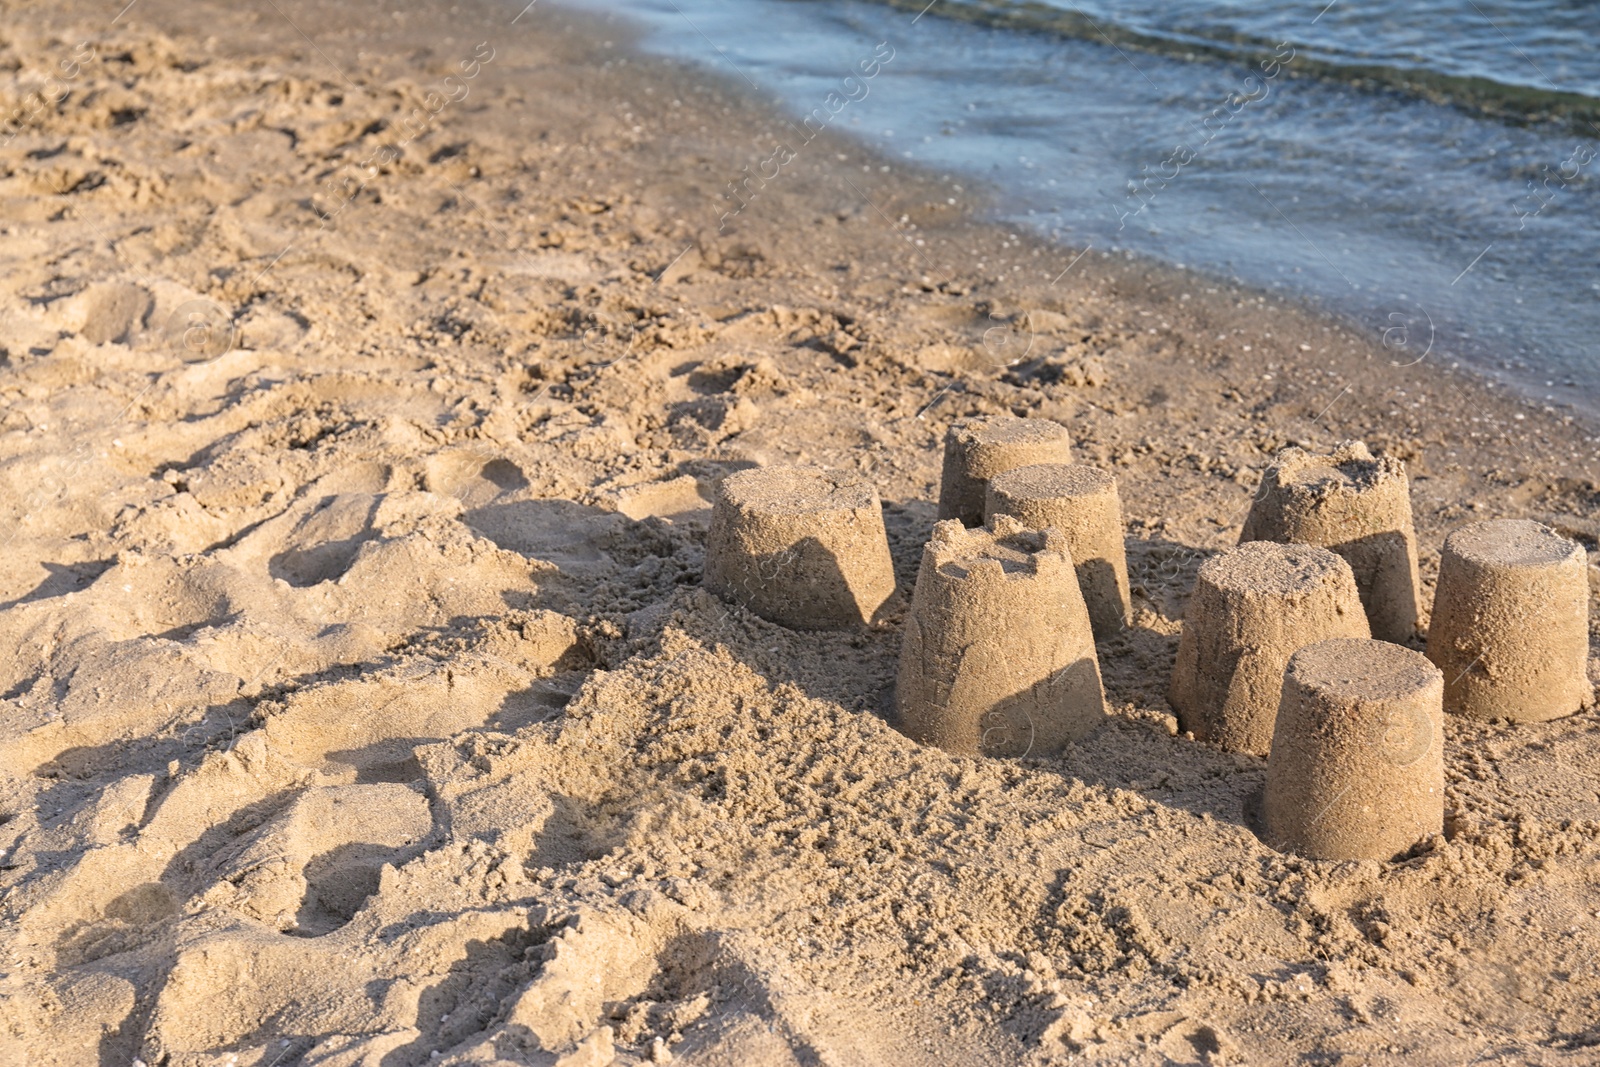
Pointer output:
x,y
361,702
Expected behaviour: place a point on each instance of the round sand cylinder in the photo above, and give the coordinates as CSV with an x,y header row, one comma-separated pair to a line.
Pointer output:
x,y
1082,503
1511,622
1252,608
1357,505
1357,763
998,657
801,547
977,449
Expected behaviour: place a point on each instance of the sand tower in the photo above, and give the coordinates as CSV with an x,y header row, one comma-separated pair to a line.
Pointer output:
x,y
1082,503
802,547
1357,763
1357,505
1511,622
977,449
998,657
1253,607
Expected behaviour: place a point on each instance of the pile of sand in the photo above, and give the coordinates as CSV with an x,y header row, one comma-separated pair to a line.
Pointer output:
x,y
360,703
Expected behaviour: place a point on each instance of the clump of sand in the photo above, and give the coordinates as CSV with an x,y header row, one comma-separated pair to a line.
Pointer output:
x,y
360,701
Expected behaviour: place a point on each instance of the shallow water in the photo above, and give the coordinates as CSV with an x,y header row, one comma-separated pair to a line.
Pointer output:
x,y
1403,168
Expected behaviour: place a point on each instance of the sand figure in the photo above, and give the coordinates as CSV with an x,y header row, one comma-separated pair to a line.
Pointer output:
x,y
1511,622
1253,607
1357,505
977,449
801,547
999,657
1357,763
1082,503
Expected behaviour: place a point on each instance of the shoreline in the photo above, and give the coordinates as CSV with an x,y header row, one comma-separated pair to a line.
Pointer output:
x,y
362,702
954,102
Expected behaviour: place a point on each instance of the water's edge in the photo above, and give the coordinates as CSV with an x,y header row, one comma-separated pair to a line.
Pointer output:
x,y
1448,286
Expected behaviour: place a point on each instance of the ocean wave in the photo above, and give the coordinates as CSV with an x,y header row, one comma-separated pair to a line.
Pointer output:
x,y
1498,95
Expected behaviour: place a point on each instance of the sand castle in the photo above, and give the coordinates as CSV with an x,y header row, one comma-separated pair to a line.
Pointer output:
x,y
1276,656
1082,503
998,657
1357,505
977,449
1252,608
801,547
1511,622
1357,763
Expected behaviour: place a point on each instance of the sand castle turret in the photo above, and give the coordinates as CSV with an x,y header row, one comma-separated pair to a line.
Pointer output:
x,y
800,546
1357,505
977,449
1511,622
1357,763
1082,503
1253,607
999,657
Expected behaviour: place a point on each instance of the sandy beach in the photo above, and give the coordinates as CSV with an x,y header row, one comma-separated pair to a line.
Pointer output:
x,y
368,374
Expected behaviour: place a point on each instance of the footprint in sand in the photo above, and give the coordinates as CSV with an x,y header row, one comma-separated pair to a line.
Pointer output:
x,y
309,869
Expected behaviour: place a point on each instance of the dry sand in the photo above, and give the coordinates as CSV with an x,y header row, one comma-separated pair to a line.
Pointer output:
x,y
361,704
